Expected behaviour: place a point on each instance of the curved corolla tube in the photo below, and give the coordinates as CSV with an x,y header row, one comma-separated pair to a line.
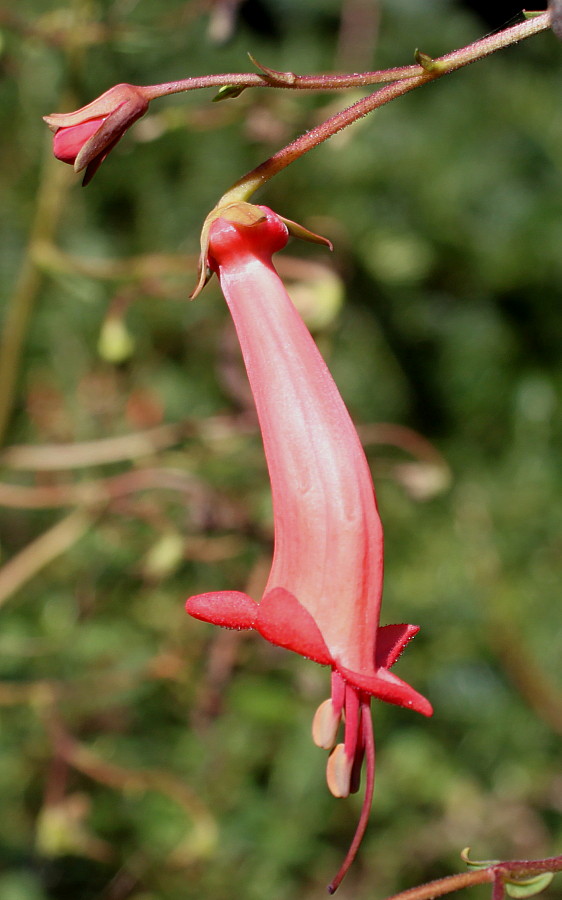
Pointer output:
x,y
323,594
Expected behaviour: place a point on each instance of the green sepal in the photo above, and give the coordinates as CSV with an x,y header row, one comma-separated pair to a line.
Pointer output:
x,y
243,213
272,75
478,863
428,63
228,92
528,887
299,231
239,211
517,888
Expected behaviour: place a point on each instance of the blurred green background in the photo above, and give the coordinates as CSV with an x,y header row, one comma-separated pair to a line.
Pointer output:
x,y
148,756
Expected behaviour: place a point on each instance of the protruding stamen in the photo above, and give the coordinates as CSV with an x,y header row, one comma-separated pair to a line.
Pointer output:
x,y
359,756
369,742
338,691
325,725
352,721
344,764
338,771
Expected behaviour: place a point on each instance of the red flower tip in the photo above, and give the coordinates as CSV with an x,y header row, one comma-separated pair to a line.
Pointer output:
x,y
84,138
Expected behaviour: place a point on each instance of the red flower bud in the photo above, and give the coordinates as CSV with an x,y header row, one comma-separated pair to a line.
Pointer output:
x,y
67,142
84,138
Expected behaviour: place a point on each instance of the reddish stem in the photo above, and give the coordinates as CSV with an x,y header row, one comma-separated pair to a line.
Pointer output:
x,y
503,871
291,81
288,80
498,890
447,885
432,69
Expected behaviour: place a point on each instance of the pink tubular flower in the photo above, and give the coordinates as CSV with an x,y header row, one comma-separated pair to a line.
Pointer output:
x,y
84,138
323,595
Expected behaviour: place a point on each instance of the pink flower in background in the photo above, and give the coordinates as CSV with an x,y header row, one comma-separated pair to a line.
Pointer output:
x,y
84,138
323,595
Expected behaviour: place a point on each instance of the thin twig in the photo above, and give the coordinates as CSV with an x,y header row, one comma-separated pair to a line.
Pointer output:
x,y
97,491
291,81
433,69
85,760
57,457
287,80
442,886
43,550
51,196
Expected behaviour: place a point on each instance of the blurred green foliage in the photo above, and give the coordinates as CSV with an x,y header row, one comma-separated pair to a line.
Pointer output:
x,y
142,754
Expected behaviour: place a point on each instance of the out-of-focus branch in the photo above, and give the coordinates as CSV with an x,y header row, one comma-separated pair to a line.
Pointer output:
x,y
43,550
505,632
83,759
543,696
358,33
54,261
424,476
96,492
57,457
51,196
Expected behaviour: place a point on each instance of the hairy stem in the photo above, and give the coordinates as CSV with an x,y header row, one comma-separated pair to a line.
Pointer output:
x,y
272,79
431,70
289,80
495,874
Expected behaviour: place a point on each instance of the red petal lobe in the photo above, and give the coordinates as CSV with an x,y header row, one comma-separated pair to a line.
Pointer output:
x,y
285,622
231,609
388,687
391,642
